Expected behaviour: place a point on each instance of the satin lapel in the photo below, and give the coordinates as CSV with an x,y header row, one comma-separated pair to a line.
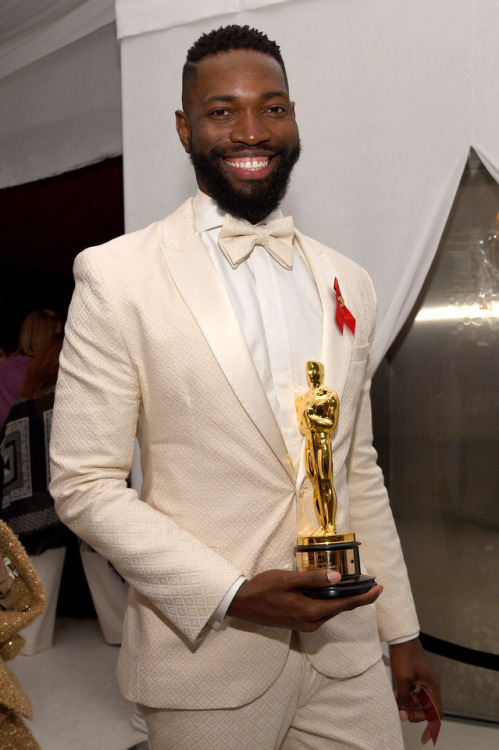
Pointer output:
x,y
204,294
336,346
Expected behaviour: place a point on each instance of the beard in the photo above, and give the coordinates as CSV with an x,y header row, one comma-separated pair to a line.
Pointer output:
x,y
257,198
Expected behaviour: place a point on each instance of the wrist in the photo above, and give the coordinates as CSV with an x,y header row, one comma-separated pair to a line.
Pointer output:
x,y
411,644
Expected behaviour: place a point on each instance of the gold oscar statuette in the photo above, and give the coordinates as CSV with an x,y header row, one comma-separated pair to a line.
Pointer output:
x,y
324,548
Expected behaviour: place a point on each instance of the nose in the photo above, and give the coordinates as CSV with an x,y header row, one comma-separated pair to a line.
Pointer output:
x,y
250,128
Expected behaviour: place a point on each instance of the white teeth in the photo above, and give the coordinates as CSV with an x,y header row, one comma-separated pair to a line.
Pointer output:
x,y
252,164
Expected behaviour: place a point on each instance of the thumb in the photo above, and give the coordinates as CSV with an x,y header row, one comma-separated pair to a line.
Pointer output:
x,y
403,697
318,579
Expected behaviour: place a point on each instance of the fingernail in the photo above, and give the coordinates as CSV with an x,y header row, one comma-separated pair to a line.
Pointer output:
x,y
403,715
333,576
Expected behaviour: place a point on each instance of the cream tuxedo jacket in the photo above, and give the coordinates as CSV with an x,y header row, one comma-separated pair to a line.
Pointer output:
x,y
153,349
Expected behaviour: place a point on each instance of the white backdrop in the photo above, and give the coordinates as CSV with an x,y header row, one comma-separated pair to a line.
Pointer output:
x,y
60,88
390,95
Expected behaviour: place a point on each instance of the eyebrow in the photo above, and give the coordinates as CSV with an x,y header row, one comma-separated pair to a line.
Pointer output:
x,y
233,98
275,94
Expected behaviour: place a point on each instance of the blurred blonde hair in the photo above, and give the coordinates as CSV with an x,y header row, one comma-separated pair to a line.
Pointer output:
x,y
37,327
41,375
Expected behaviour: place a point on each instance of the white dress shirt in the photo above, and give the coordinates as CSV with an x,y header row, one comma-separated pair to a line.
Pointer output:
x,y
279,311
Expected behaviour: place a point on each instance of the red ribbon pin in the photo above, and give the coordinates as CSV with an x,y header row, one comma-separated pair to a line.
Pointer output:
x,y
343,314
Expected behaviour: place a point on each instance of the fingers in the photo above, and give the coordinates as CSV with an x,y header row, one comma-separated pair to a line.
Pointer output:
x,y
405,702
275,597
409,706
361,600
331,607
412,710
319,611
316,579
328,608
411,669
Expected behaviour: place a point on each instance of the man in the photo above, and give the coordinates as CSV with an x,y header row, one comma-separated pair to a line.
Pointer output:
x,y
194,334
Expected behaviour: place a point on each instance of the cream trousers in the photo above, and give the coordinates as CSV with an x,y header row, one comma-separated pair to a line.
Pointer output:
x,y
302,710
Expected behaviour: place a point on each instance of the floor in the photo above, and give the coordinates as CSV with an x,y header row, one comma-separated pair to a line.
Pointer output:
x,y
77,704
76,701
455,735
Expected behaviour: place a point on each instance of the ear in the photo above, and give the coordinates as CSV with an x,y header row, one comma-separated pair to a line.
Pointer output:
x,y
183,129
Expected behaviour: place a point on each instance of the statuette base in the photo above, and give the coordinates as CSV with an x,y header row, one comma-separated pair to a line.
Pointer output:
x,y
360,585
312,553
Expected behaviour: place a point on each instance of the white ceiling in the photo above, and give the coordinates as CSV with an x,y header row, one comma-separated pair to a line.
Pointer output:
x,y
18,17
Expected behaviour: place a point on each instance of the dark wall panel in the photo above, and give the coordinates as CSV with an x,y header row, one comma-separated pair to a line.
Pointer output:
x,y
45,224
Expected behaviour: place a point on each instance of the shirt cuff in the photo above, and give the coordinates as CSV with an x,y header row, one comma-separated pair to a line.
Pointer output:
x,y
216,621
405,639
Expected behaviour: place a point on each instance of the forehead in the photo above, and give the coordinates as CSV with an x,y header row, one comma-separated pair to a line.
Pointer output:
x,y
236,73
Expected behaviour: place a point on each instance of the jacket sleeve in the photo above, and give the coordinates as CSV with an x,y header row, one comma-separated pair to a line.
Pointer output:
x,y
372,521
97,408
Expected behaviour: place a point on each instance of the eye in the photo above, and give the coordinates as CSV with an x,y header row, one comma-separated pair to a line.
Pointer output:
x,y
220,113
276,109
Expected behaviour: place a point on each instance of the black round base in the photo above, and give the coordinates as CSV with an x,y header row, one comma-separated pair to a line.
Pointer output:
x,y
359,585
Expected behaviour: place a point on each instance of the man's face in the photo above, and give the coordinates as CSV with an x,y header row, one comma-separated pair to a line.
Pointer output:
x,y
240,130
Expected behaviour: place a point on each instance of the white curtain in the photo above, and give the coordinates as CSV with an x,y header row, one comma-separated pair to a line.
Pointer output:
x,y
485,101
140,16
390,95
60,87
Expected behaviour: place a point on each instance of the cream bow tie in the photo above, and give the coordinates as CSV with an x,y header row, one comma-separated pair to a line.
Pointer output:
x,y
237,239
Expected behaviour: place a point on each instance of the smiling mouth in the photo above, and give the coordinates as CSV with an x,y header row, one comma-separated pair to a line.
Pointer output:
x,y
249,164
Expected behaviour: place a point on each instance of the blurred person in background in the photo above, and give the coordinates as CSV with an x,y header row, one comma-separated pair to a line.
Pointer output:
x,y
28,509
26,504
38,327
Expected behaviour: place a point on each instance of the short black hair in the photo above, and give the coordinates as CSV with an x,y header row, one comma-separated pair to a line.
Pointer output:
x,y
227,38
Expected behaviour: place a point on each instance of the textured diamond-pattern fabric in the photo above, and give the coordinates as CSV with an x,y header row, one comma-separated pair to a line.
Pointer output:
x,y
359,713
302,710
153,348
237,239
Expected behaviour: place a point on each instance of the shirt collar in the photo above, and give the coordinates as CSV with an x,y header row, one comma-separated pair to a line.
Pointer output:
x,y
207,214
